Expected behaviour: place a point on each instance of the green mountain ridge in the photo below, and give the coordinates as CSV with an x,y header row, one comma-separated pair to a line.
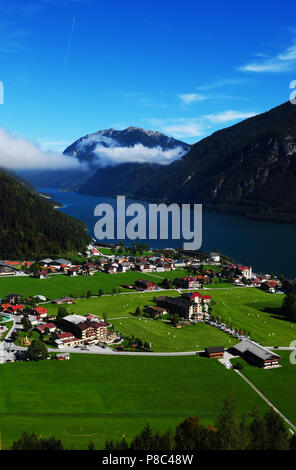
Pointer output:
x,y
247,169
31,227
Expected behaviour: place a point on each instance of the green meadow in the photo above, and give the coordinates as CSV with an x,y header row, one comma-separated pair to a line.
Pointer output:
x,y
164,337
246,308
94,398
255,311
278,385
61,285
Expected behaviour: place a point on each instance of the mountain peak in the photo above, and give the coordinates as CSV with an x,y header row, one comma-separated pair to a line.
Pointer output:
x,y
109,143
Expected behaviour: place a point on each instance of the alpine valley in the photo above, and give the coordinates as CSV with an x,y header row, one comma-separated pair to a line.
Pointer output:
x,y
248,169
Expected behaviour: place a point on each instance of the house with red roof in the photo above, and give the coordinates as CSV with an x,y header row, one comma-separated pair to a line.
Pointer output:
x,y
42,328
39,312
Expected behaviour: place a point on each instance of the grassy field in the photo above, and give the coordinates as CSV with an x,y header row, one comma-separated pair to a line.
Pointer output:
x,y
164,337
255,311
115,306
278,385
62,285
95,398
245,308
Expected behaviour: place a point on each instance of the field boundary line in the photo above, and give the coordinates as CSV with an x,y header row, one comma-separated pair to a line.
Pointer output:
x,y
266,400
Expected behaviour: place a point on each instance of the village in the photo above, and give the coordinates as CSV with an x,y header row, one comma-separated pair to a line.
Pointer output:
x,y
65,332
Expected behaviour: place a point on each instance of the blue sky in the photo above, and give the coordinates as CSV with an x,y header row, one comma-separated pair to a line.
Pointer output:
x,y
72,67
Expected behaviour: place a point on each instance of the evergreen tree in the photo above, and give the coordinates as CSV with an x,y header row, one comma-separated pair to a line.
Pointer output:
x,y
228,427
277,436
32,442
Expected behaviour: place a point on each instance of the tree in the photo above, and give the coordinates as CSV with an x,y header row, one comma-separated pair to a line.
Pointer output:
x,y
289,307
138,312
277,436
37,350
258,440
227,426
32,442
62,312
101,292
191,435
166,284
27,325
175,319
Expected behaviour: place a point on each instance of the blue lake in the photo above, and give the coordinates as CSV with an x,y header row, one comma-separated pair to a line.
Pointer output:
x,y
266,246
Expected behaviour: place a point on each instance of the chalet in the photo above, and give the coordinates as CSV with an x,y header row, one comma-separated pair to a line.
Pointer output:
x,y
256,354
73,271
185,308
42,274
33,320
155,311
190,282
139,266
215,352
40,297
143,284
14,299
63,300
270,286
39,312
215,257
110,269
124,266
42,328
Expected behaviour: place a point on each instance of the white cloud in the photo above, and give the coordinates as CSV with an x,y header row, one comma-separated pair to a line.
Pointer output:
x,y
184,130
221,83
17,153
137,153
227,116
191,97
282,62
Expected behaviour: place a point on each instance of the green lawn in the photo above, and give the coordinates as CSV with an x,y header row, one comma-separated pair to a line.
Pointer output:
x,y
114,305
255,311
164,337
94,398
8,325
278,385
62,285
243,307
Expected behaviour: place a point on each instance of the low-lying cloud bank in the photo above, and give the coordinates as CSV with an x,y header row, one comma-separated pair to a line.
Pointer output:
x,y
108,151
17,153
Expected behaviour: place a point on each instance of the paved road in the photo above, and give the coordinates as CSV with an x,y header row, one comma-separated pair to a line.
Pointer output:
x,y
292,426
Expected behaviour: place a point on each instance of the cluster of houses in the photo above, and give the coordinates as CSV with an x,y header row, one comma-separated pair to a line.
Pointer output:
x,y
75,329
263,281
64,266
